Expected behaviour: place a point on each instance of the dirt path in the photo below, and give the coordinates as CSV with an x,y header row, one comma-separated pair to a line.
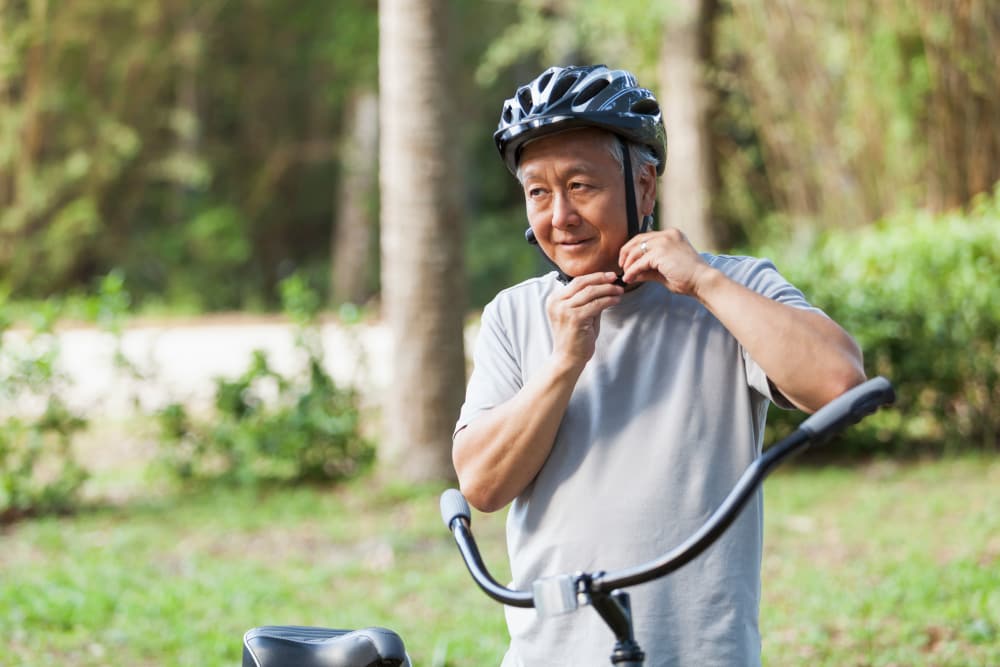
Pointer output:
x,y
179,361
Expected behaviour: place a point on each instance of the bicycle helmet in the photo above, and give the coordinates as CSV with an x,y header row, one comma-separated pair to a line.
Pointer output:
x,y
563,98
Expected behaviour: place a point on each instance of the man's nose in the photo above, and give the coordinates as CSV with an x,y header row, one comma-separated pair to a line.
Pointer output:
x,y
564,213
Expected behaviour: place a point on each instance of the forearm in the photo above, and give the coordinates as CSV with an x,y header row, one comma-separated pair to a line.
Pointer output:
x,y
501,451
807,356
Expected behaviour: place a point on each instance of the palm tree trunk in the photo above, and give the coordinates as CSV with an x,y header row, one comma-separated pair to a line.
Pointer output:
x,y
688,183
353,235
422,284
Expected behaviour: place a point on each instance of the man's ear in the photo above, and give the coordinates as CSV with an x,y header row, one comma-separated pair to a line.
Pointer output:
x,y
646,190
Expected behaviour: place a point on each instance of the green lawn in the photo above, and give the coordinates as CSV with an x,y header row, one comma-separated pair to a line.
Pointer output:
x,y
875,565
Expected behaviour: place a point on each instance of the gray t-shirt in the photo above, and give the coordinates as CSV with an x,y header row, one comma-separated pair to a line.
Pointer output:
x,y
664,419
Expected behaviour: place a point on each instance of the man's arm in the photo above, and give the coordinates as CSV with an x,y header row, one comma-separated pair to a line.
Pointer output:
x,y
500,452
808,357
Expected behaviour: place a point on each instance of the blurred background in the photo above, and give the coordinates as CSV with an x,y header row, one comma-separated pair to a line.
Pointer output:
x,y
242,244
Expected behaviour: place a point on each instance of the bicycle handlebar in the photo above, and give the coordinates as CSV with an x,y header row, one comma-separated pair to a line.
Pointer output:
x,y
458,518
559,594
849,408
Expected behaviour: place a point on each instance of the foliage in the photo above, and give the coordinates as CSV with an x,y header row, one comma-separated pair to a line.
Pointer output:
x,y
834,96
268,427
560,31
39,472
874,565
822,114
856,111
920,294
193,144
497,256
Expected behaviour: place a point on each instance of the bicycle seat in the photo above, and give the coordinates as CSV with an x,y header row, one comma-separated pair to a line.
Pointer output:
x,y
298,646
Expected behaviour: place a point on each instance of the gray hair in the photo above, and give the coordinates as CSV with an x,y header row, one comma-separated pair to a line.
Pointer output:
x,y
639,155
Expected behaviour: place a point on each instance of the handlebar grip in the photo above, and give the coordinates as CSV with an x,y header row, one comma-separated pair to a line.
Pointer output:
x,y
453,506
850,407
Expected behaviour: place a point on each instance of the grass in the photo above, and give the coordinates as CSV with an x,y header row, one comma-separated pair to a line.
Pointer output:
x,y
871,566
884,565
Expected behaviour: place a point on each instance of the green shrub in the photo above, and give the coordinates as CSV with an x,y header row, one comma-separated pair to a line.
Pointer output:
x,y
271,428
922,296
38,471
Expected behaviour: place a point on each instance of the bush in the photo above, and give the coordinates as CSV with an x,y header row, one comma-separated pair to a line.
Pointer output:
x,y
269,428
38,471
921,295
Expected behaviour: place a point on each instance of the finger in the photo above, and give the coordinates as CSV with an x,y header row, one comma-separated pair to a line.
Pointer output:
x,y
592,309
580,282
591,293
629,259
642,269
635,265
627,251
636,252
643,277
634,247
576,306
584,282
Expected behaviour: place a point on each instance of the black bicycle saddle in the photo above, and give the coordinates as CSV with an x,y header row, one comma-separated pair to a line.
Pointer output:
x,y
298,646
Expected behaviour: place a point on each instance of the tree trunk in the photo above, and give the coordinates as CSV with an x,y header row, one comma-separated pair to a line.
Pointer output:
x,y
352,237
187,140
964,101
422,284
688,183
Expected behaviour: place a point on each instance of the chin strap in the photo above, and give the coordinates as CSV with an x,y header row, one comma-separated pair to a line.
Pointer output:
x,y
631,210
631,214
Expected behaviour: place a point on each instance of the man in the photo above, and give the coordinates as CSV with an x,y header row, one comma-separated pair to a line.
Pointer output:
x,y
617,410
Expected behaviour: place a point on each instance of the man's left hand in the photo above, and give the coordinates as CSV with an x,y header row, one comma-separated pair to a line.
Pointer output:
x,y
666,257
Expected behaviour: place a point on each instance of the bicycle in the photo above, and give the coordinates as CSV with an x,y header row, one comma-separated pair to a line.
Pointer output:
x,y
297,646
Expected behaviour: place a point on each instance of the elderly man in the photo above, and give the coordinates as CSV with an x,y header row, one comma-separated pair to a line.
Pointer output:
x,y
616,400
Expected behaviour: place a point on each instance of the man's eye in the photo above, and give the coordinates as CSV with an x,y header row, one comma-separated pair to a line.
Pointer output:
x,y
576,185
535,192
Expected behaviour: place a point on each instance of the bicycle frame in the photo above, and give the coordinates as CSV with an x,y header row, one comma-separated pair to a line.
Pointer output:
x,y
565,593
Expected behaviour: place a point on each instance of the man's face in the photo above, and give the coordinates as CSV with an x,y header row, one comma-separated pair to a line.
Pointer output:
x,y
574,192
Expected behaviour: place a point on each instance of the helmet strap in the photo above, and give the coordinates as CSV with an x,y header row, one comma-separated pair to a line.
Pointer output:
x,y
631,210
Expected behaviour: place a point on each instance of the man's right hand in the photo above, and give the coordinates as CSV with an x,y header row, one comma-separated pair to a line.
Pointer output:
x,y
575,315
501,451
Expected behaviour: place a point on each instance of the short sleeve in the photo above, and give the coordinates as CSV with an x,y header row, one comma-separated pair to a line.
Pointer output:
x,y
496,374
762,276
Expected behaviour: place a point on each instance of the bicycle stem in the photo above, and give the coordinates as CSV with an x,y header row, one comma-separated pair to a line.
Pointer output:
x,y
616,610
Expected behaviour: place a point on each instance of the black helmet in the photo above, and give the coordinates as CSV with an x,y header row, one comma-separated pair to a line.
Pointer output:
x,y
562,98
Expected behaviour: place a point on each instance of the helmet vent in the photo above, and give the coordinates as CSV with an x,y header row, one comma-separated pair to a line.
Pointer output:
x,y
508,114
544,81
591,91
646,106
562,85
524,99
